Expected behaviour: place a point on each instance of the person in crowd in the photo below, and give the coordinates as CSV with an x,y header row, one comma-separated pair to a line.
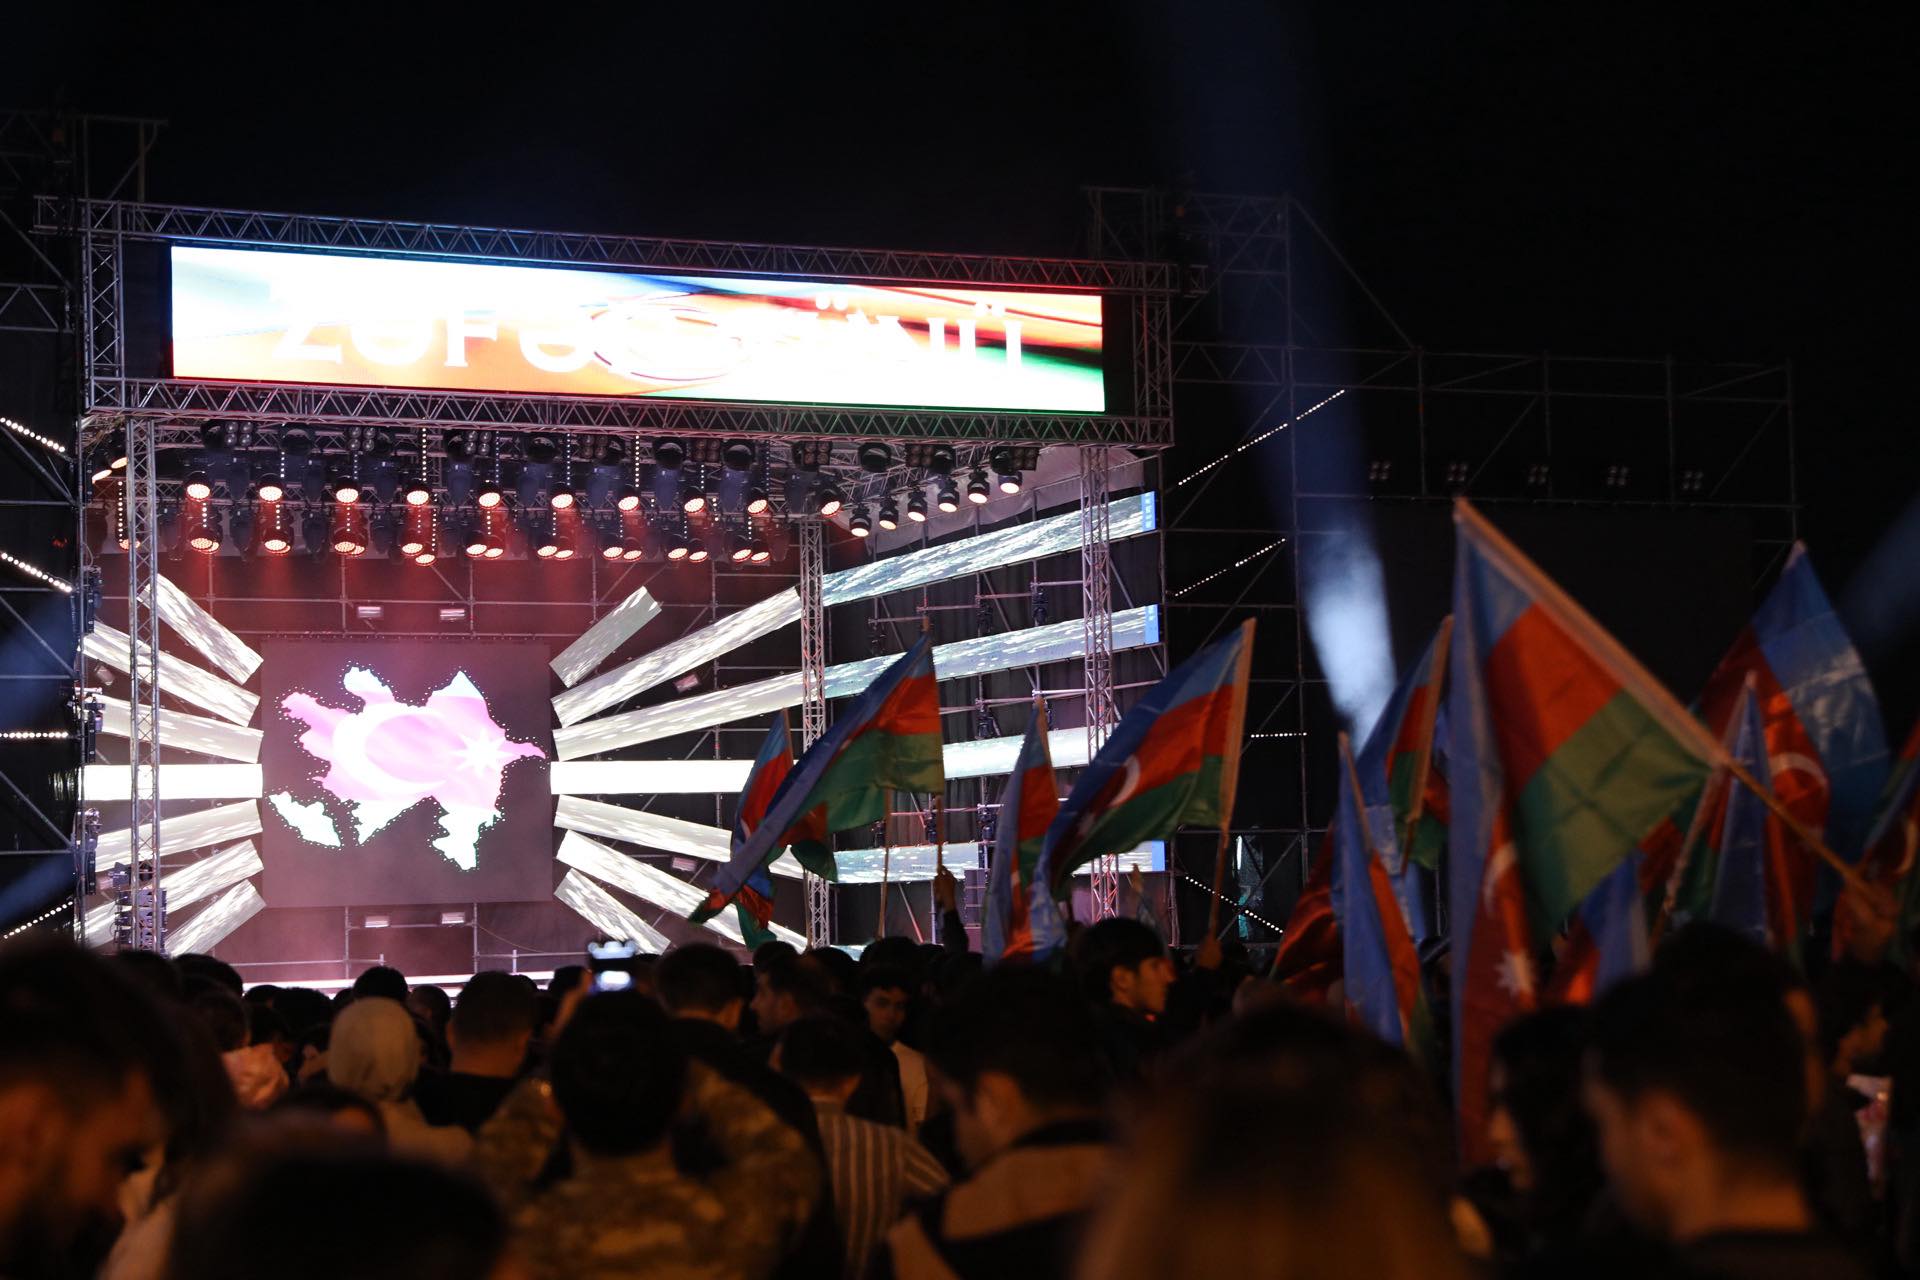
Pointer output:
x,y
77,1106
267,1027
302,1007
257,1073
211,968
385,1217
784,991
1844,1029
876,1169
1695,1080
487,1036
332,1105
619,1081
1127,974
374,1051
1227,1176
1543,1140
384,981
432,1005
886,996
704,990
1015,1060
565,978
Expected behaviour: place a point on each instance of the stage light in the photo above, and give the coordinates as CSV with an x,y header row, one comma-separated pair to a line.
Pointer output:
x,y
418,494
760,552
611,551
876,457
669,454
413,546
276,543
488,495
949,500
889,514
737,455
757,501
696,550
629,499
542,447
214,435
424,557
548,547
296,441
495,548
561,498
344,543
977,491
198,487
1005,470
457,445
917,506
346,491
677,549
271,491
201,533
119,462
476,545
631,551
860,525
941,458
830,499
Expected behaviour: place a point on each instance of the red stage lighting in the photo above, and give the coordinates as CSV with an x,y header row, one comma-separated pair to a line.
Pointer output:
x,y
198,488
561,498
276,543
629,499
477,547
348,492
610,552
418,495
424,557
271,491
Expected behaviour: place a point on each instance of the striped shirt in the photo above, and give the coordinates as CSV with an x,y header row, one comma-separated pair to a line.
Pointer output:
x,y
877,1173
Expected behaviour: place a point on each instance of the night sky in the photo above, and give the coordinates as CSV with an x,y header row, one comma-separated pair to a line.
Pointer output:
x,y
1517,177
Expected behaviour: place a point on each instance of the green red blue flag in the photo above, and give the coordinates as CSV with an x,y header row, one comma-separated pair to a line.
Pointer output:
x,y
1309,959
1395,768
746,884
1021,919
1173,759
1826,744
1565,755
888,739
1379,961
1753,881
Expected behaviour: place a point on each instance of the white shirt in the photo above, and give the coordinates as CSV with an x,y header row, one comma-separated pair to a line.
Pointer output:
x,y
913,1083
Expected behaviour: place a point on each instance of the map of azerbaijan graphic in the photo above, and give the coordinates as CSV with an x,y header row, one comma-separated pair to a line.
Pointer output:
x,y
389,756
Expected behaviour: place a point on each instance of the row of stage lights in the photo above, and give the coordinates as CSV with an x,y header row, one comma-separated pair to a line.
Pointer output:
x,y
679,494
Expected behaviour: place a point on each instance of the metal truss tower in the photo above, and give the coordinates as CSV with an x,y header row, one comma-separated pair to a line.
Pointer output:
x,y
1279,349
1096,585
813,697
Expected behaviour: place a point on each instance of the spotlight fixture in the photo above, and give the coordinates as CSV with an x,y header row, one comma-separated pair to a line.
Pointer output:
x,y
977,490
495,547
669,454
542,448
742,548
271,490
629,499
917,506
677,548
831,499
632,549
198,487
201,536
757,501
412,545
949,500
611,551
549,546
488,495
1007,471
737,455
476,545
696,550
561,497
759,553
876,457
346,490
424,557
418,494
276,543
564,547
941,458
693,497
889,514
861,526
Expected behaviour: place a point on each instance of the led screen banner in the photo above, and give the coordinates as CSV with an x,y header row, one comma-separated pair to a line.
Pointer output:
x,y
355,320
403,774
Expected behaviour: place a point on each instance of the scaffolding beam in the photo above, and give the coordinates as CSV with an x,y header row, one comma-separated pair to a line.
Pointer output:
x,y
813,696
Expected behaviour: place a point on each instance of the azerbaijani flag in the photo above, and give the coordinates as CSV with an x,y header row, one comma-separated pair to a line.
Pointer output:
x,y
1016,903
1564,755
1753,881
1308,960
1174,758
1380,964
887,740
1826,746
1395,771
1894,842
747,884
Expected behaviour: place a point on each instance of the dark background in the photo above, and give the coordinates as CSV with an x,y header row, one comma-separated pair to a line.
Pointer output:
x,y
399,863
1627,181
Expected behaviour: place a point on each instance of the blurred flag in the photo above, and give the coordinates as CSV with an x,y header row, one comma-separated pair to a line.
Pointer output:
x,y
747,884
1379,962
1826,745
1565,756
1753,885
1893,843
1014,896
1394,766
1173,759
1308,961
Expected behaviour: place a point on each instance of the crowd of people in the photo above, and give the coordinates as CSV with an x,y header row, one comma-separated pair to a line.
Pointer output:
x,y
910,1113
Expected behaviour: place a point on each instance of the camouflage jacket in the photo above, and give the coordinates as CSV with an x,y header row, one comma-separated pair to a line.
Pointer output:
x,y
623,1216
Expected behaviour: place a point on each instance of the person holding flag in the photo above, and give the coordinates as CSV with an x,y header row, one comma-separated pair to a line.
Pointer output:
x,y
1021,920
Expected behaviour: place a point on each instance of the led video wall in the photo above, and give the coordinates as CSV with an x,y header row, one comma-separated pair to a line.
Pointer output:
x,y
359,320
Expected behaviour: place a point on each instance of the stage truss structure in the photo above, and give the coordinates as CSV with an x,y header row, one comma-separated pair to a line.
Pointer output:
x,y
156,416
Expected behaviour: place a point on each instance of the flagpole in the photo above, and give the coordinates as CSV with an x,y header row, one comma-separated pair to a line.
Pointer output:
x,y
886,862
1236,725
1636,679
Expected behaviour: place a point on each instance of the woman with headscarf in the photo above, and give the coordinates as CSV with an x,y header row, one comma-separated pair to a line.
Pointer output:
x,y
374,1052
